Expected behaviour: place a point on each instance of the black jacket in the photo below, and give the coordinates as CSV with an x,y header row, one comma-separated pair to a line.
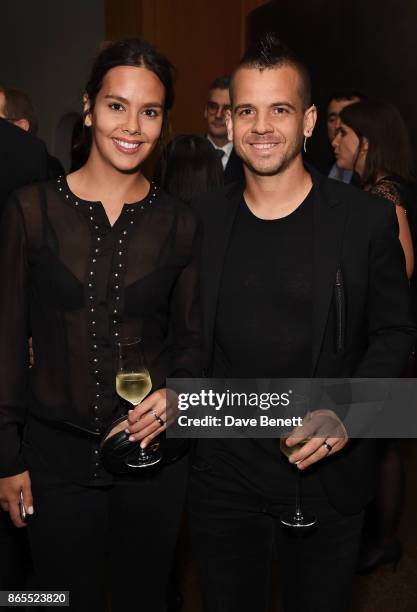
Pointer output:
x,y
234,169
23,159
362,324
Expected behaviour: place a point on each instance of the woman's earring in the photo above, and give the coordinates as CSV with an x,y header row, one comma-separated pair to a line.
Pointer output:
x,y
305,144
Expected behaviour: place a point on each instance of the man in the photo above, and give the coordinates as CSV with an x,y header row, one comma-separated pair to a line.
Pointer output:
x,y
284,240
337,103
23,160
218,104
17,108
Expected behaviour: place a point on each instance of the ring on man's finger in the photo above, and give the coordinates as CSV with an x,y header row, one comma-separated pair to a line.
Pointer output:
x,y
158,418
327,446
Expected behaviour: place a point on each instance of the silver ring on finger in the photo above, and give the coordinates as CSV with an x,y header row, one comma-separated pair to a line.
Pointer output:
x,y
158,418
327,446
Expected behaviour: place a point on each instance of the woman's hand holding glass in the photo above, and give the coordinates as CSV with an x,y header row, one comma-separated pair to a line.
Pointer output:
x,y
152,416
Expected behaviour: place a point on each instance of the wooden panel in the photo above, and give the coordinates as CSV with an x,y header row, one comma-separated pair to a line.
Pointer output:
x,y
203,40
123,18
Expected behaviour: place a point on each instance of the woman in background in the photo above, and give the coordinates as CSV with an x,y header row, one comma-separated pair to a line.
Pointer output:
x,y
190,166
373,142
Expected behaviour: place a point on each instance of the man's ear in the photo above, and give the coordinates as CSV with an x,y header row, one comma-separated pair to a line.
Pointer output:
x,y
310,118
205,112
229,125
86,111
364,145
23,124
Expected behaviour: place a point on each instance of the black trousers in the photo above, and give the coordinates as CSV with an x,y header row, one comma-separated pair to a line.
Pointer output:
x,y
236,536
109,546
15,562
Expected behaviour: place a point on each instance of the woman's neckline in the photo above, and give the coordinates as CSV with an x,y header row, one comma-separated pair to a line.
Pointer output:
x,y
74,196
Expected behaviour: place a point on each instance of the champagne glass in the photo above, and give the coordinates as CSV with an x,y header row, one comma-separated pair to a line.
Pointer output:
x,y
296,519
133,383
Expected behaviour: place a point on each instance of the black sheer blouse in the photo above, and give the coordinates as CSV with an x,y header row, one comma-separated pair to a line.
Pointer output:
x,y
77,284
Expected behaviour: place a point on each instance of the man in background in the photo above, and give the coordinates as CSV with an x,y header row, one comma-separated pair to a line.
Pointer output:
x,y
23,160
17,108
338,102
215,111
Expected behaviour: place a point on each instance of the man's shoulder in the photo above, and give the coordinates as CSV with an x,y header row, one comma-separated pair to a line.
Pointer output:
x,y
13,136
216,200
358,201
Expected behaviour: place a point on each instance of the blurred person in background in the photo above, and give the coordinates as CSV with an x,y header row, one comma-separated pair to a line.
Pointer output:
x,y
373,142
23,160
80,145
189,167
17,108
338,102
218,103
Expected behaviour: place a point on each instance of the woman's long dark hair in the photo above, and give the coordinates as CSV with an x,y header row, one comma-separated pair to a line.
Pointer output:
x,y
189,166
389,149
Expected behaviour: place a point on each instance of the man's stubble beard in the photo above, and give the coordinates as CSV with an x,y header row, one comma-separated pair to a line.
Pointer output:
x,y
281,166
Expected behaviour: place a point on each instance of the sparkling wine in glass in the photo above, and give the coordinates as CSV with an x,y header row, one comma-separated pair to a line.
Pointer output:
x,y
296,519
133,383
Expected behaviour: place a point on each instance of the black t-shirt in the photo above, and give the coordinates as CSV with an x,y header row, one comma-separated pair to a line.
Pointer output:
x,y
263,330
263,323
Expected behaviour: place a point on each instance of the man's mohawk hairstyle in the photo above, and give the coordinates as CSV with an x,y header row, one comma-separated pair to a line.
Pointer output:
x,y
266,52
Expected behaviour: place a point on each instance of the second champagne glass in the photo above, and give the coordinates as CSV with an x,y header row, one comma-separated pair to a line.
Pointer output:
x,y
133,383
296,519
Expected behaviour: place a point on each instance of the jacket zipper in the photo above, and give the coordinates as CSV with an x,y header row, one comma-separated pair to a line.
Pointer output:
x,y
340,311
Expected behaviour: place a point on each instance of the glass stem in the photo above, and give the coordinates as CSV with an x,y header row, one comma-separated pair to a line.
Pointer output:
x,y
298,513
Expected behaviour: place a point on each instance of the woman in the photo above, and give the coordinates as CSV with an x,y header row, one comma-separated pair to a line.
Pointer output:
x,y
372,140
86,260
190,166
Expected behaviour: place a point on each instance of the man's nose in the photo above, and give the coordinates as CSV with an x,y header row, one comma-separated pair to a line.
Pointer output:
x,y
262,124
220,112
